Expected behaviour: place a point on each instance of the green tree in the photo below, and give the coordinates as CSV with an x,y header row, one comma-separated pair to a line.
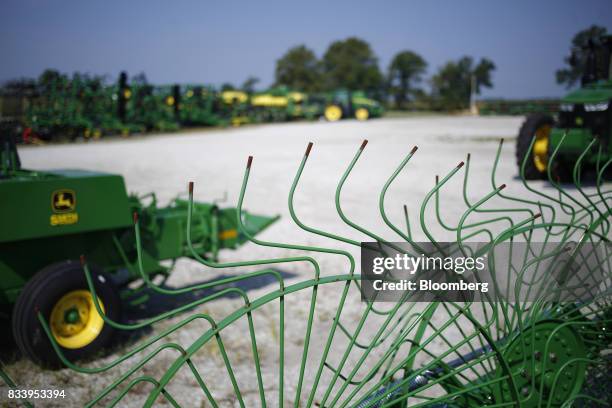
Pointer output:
x,y
248,85
575,62
351,64
299,69
226,86
405,72
452,84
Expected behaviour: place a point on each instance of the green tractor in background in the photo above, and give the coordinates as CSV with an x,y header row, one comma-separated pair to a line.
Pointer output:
x,y
346,104
584,117
50,219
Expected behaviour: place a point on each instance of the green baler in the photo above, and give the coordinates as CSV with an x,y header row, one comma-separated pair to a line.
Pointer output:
x,y
49,219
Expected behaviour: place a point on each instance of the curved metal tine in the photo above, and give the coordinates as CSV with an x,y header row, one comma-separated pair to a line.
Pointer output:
x,y
314,290
429,378
504,366
600,172
426,200
344,218
575,174
379,332
563,205
138,380
577,168
315,230
144,345
351,260
381,202
149,357
408,231
484,210
420,347
511,198
490,251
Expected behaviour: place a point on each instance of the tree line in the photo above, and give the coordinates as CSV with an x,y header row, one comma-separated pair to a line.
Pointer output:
x,y
351,64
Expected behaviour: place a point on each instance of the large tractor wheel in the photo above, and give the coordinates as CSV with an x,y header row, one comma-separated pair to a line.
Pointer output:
x,y
536,126
362,114
60,293
333,113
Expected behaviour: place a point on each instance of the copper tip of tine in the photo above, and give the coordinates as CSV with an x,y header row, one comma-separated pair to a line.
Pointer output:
x,y
135,217
83,261
363,144
414,149
406,209
460,165
502,186
538,215
191,187
469,156
501,141
308,148
437,179
249,162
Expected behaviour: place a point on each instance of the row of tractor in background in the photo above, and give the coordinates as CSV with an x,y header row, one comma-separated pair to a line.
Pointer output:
x,y
57,106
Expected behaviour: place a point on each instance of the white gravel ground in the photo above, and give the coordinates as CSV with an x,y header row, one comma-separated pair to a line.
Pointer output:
x,y
215,160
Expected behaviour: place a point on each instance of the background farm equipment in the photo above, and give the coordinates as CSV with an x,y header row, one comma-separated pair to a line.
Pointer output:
x,y
487,107
344,104
199,107
554,145
66,213
82,106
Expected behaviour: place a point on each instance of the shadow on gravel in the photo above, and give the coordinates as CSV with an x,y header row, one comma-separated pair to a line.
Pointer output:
x,y
147,303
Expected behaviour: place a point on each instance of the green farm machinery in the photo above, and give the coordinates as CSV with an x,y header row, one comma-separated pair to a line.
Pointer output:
x,y
275,105
199,107
343,104
318,341
80,106
60,215
554,147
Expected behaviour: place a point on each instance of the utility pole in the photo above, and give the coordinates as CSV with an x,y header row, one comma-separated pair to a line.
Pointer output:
x,y
473,107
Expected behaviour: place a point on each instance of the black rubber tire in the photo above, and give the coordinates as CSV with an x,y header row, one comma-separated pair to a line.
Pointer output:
x,y
41,293
526,135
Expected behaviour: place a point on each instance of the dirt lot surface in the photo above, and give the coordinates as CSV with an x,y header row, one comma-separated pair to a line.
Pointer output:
x,y
215,160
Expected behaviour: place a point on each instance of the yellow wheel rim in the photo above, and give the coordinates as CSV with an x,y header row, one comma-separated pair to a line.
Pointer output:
x,y
75,322
362,114
170,100
333,113
540,148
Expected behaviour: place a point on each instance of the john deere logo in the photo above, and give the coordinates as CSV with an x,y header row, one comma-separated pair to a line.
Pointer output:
x,y
63,204
63,201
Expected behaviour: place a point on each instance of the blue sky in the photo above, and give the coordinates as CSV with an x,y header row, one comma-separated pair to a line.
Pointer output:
x,y
216,42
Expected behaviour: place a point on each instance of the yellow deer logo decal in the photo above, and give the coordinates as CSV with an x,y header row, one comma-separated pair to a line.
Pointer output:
x,y
63,201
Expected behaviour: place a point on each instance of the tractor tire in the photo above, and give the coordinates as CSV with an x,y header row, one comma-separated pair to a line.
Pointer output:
x,y
333,113
60,292
362,114
534,124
